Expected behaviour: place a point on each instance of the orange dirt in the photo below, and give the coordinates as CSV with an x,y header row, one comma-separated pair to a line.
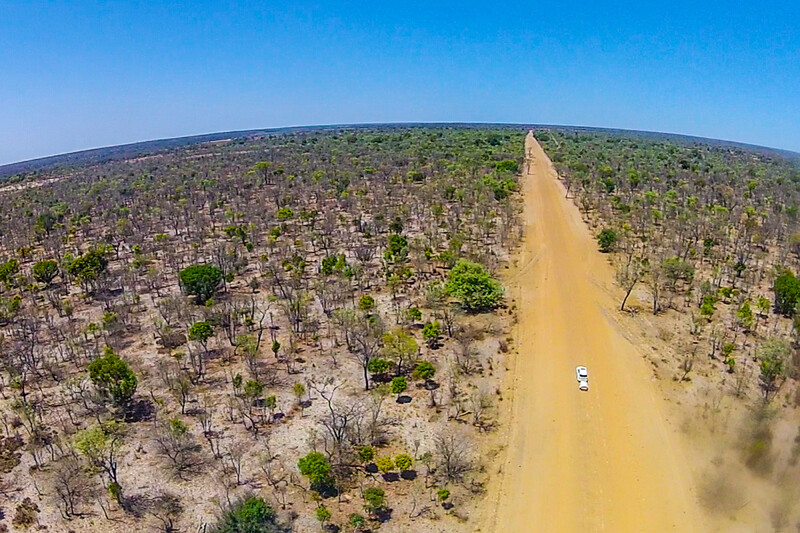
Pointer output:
x,y
602,460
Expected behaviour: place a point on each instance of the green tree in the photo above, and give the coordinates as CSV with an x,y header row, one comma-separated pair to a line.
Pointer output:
x,y
375,499
88,267
113,378
607,240
787,293
400,346
772,357
317,469
100,446
473,287
201,281
745,315
431,332
45,271
201,332
248,515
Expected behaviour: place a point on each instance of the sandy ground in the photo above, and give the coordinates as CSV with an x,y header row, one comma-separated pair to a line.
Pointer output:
x,y
602,460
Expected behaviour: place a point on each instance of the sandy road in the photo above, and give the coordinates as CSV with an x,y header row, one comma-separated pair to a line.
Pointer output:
x,y
602,460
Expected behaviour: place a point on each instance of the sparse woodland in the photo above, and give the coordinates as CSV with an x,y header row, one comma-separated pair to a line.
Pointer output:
x,y
298,332
706,238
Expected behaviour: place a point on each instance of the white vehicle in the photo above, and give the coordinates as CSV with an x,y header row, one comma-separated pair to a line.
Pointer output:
x,y
583,377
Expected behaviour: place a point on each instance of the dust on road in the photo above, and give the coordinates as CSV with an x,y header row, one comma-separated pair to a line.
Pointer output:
x,y
602,460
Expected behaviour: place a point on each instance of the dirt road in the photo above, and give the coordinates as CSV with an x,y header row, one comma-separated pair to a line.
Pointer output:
x,y
602,460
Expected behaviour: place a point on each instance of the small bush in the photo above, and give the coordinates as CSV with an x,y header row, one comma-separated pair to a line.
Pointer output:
x,y
607,240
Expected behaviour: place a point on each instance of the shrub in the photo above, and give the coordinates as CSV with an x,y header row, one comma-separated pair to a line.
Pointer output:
x,y
442,494
404,462
323,514
423,370
607,240
357,521
399,385
414,314
366,454
476,290
45,271
385,464
113,377
200,281
379,366
366,303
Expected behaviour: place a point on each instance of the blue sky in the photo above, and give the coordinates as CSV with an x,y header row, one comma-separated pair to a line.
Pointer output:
x,y
76,75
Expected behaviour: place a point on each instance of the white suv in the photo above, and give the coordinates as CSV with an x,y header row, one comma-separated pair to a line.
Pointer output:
x,y
583,377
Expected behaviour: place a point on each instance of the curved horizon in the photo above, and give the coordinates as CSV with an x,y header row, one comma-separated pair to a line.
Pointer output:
x,y
7,169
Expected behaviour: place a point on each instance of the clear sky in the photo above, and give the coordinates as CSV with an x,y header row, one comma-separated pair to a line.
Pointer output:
x,y
76,75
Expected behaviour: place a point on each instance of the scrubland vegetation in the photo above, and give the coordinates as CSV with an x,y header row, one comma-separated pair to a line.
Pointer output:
x,y
293,332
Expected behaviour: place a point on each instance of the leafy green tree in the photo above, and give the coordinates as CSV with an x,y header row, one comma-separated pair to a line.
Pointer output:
x,y
100,445
45,271
113,378
317,469
475,289
607,240
772,357
253,389
442,495
707,307
201,281
399,385
787,293
424,370
400,346
8,270
745,315
88,267
248,515
201,332
431,332
375,499
396,248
